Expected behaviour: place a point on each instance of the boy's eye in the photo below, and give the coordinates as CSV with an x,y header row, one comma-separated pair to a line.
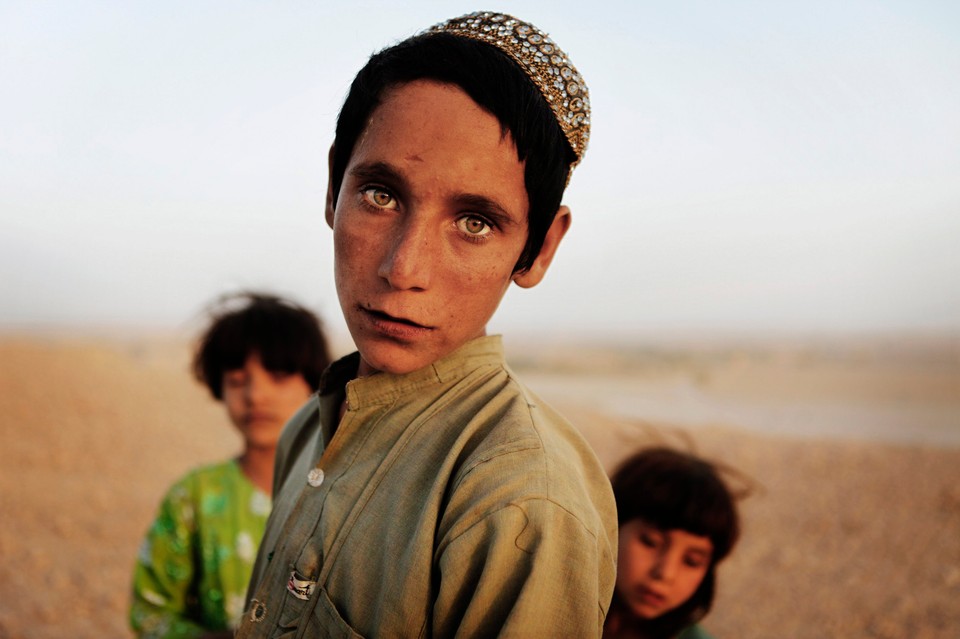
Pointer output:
x,y
473,225
379,198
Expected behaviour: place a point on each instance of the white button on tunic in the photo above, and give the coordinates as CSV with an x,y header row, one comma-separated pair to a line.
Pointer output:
x,y
315,477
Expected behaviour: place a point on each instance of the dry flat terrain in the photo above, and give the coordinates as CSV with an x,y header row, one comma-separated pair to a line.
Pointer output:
x,y
851,452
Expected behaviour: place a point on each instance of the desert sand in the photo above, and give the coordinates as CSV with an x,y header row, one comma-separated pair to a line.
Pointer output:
x,y
850,450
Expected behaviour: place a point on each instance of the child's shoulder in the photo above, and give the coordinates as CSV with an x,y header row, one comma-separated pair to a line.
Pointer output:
x,y
202,478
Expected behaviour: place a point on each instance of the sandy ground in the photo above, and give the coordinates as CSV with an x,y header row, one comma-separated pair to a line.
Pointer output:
x,y
846,534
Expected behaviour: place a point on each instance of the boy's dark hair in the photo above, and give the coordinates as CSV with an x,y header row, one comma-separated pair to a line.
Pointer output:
x,y
671,490
286,336
494,82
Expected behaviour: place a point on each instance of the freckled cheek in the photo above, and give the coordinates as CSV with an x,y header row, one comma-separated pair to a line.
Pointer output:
x,y
354,251
492,270
476,286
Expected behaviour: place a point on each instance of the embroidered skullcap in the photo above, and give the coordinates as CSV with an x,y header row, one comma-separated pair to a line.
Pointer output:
x,y
547,66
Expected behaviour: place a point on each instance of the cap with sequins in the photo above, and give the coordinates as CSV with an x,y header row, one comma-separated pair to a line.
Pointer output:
x,y
544,63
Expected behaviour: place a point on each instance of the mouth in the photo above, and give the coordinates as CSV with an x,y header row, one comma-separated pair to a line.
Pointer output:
x,y
260,417
391,323
650,597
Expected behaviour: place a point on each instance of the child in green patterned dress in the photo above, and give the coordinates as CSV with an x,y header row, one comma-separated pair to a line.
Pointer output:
x,y
262,356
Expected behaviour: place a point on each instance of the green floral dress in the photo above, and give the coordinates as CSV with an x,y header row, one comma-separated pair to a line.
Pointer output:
x,y
192,571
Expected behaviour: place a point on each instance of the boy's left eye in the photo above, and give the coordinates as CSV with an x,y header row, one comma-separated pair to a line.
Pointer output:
x,y
472,225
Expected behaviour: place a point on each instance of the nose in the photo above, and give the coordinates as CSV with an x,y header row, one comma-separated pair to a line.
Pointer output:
x,y
256,389
665,567
408,262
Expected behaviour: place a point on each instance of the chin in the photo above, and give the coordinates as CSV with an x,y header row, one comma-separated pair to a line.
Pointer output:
x,y
263,434
395,365
645,612
262,443
394,359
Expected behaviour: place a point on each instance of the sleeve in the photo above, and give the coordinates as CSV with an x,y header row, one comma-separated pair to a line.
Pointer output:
x,y
164,572
527,565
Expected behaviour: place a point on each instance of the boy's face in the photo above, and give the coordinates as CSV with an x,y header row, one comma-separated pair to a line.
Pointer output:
x,y
430,219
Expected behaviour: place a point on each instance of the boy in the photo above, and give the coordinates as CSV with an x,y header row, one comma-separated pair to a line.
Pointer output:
x,y
426,492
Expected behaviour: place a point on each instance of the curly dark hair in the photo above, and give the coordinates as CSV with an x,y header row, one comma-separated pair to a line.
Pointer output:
x,y
287,337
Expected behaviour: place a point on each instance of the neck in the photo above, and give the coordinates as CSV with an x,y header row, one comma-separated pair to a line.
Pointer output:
x,y
257,465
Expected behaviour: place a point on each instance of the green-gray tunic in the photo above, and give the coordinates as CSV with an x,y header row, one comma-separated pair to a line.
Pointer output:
x,y
450,502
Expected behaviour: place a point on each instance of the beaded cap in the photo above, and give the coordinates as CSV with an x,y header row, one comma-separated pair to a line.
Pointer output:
x,y
544,63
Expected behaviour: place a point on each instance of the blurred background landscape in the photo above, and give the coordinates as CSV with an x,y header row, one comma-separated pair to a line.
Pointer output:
x,y
762,267
850,456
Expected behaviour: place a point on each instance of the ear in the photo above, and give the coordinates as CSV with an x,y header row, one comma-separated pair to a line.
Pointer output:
x,y
331,205
532,276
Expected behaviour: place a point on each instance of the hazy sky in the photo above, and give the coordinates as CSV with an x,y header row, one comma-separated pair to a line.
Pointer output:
x,y
754,166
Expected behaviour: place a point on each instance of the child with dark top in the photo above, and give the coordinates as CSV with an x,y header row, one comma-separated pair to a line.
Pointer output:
x,y
678,520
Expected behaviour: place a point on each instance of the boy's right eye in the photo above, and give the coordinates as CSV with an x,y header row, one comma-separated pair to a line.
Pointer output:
x,y
379,198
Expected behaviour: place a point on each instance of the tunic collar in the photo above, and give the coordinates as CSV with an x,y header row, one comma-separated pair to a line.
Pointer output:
x,y
385,387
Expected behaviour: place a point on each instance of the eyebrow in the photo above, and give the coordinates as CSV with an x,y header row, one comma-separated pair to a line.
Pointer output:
x,y
488,207
378,172
385,172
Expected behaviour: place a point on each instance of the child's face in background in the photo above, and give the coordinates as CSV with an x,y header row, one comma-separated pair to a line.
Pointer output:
x,y
260,401
659,570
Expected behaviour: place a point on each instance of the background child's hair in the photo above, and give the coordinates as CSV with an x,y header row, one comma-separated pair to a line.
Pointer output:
x,y
670,489
286,336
